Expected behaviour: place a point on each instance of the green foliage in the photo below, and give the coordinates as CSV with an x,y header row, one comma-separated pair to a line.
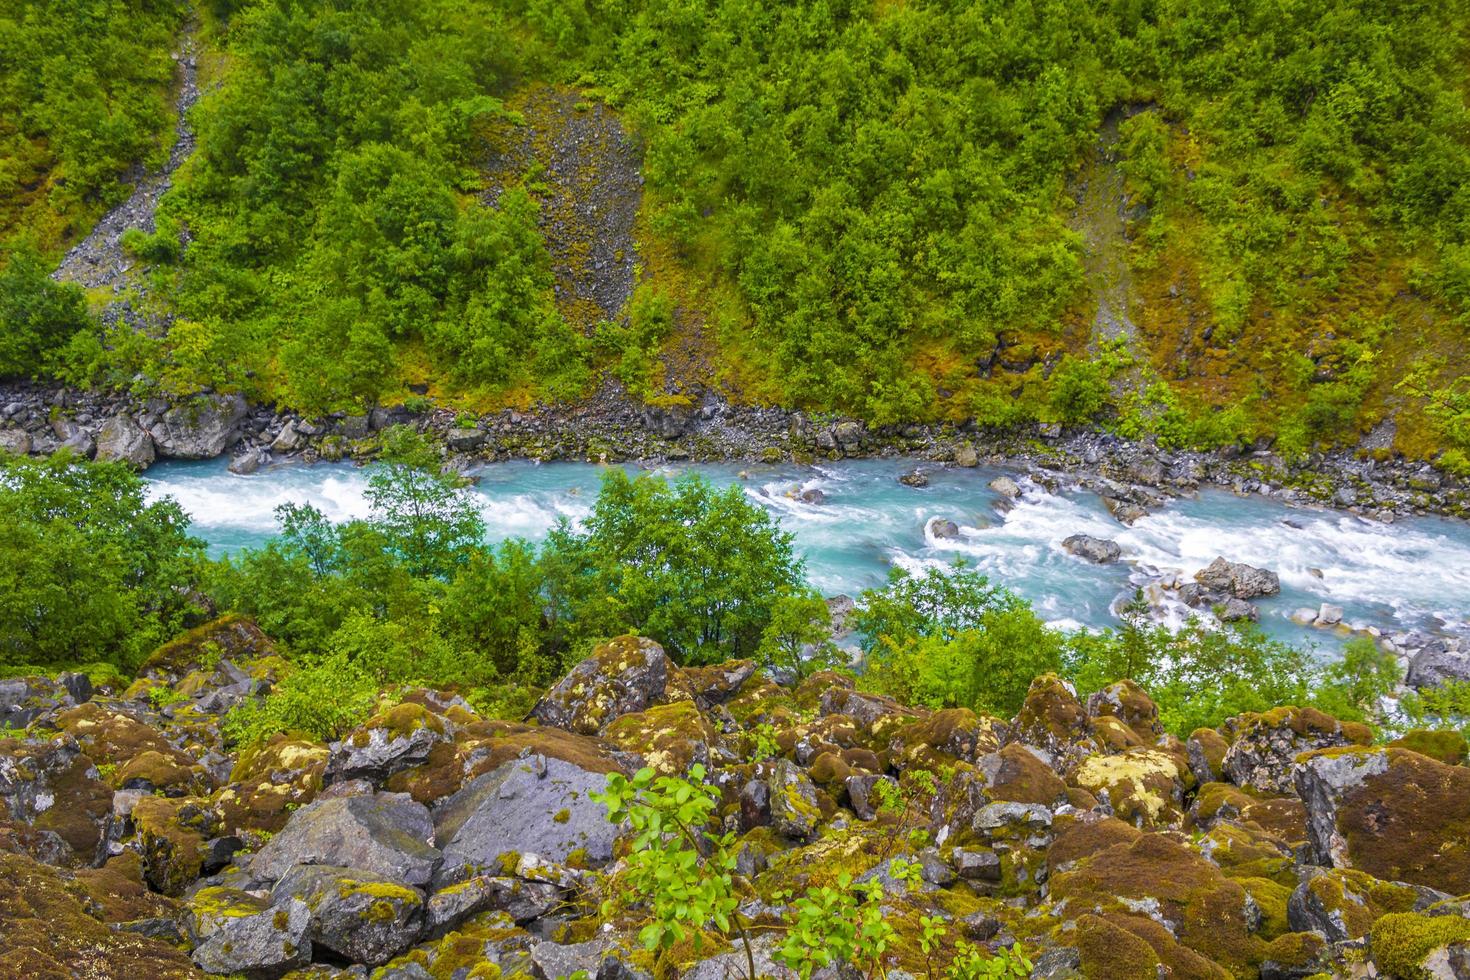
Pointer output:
x,y
1446,706
89,571
322,702
948,638
1079,390
36,315
798,638
837,924
698,569
84,98
681,872
1200,676
428,519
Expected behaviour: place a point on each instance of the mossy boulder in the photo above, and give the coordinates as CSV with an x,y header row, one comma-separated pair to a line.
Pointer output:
x,y
796,810
1448,747
622,676
214,906
170,836
117,892
46,931
1341,904
944,737
266,944
1110,952
361,916
230,637
1263,747
669,737
1282,817
719,683
1129,704
1077,836
1173,886
270,781
397,738
1206,748
1412,946
484,746
52,786
1395,814
1053,720
115,738
1144,786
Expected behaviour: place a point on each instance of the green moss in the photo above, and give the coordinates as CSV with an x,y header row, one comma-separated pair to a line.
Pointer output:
x,y
1400,941
1111,953
562,816
1448,747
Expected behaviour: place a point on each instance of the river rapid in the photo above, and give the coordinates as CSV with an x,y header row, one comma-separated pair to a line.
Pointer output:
x,y
1411,575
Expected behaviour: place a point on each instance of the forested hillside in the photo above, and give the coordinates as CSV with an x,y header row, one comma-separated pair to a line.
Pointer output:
x,y
1208,221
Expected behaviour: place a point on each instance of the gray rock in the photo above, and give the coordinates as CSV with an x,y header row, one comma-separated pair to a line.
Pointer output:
x,y
249,461
623,676
914,478
794,809
386,834
1321,782
362,916
201,428
995,816
375,753
553,961
944,530
523,901
1434,665
1099,551
17,441
1058,963
1234,610
1124,511
261,946
1006,487
123,440
537,805
1328,615
862,795
1238,579
288,440
812,495
965,456
464,440
975,864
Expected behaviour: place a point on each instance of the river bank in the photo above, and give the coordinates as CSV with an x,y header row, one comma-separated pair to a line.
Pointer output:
x,y
1132,477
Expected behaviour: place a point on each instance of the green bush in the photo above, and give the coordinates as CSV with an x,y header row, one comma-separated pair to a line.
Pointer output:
x,y
37,315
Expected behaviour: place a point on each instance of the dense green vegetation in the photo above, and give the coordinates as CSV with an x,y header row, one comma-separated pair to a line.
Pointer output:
x,y
411,594
84,98
854,205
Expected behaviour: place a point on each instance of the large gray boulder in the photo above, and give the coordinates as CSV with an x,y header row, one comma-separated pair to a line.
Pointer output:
x,y
387,743
382,833
622,676
200,428
1435,664
362,916
536,805
17,441
795,812
122,440
262,946
1238,579
1099,551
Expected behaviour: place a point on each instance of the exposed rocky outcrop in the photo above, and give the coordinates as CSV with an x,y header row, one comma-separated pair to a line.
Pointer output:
x,y
433,842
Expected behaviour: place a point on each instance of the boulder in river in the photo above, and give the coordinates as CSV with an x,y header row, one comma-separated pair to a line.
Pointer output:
x,y
1006,487
1099,551
914,478
944,530
1238,579
200,428
123,440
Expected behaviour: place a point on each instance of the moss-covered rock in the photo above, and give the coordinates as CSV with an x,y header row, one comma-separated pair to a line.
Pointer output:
x,y
230,637
1412,946
1206,748
945,737
1175,887
1144,786
114,738
1110,952
361,916
396,738
270,781
1127,702
1263,747
622,676
1395,814
46,931
1341,904
1053,720
669,737
1444,746
170,836
53,786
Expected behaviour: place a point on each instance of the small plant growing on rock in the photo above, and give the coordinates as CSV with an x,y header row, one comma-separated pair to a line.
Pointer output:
x,y
841,924
684,873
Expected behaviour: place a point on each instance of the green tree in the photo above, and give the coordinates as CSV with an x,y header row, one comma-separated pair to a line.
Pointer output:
x,y
37,316
698,569
798,639
89,570
425,513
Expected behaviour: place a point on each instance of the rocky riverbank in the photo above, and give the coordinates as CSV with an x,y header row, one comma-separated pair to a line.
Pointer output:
x,y
431,842
1132,477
